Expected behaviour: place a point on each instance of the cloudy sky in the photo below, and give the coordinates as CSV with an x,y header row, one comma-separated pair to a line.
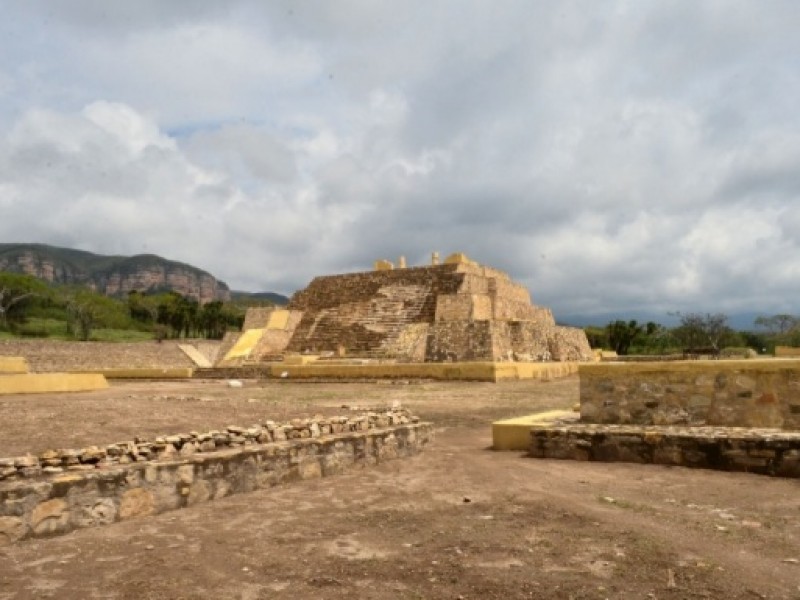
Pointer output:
x,y
611,155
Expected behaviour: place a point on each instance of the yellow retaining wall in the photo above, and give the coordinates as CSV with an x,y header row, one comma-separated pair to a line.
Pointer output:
x,y
144,373
515,434
300,359
787,351
13,364
467,371
42,383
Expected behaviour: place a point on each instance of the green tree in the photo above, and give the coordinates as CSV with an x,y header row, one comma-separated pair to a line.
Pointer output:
x,y
698,331
142,308
622,334
87,310
18,293
212,320
178,313
777,325
597,336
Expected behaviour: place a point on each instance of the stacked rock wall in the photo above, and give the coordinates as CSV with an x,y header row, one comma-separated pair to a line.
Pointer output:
x,y
736,393
64,490
54,356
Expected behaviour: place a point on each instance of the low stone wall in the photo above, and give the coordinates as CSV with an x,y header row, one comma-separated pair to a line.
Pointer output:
x,y
13,365
55,356
787,351
64,490
49,383
736,393
765,451
457,371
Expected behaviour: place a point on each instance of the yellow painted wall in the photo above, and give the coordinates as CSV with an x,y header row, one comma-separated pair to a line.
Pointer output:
x,y
145,373
515,434
278,319
245,344
468,371
13,364
41,383
787,351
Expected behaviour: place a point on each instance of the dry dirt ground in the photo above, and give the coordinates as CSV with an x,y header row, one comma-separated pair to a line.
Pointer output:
x,y
457,521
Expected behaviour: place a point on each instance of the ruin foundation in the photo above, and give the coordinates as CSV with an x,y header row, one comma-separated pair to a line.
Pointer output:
x,y
457,311
738,415
64,490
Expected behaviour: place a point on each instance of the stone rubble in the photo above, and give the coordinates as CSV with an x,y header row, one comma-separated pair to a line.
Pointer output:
x,y
182,445
757,450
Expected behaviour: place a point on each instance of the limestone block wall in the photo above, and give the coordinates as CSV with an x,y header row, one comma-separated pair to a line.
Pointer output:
x,y
752,450
736,393
458,341
570,344
88,489
460,307
522,340
362,311
55,356
409,345
474,284
505,288
257,317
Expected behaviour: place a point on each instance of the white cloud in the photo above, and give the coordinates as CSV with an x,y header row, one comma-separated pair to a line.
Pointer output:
x,y
625,156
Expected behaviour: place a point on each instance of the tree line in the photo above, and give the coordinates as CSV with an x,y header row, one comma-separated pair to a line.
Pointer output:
x,y
696,333
25,299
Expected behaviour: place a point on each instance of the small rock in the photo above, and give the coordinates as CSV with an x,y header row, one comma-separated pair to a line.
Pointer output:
x,y
751,524
26,461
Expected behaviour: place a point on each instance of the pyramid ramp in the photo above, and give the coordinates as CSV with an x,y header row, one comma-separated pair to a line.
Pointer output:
x,y
197,357
244,346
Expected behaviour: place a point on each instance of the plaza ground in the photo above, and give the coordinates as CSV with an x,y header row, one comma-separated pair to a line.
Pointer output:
x,y
457,521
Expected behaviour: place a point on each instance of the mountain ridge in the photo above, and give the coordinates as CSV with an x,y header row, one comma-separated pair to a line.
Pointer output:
x,y
113,275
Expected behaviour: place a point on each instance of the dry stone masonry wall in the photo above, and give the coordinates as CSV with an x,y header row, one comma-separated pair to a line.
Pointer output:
x,y
738,415
738,393
53,356
62,490
765,451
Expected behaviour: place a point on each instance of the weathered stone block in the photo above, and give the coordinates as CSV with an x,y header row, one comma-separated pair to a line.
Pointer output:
x,y
49,517
136,503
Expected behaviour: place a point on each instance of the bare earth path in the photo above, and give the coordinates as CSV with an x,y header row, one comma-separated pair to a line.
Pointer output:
x,y
458,521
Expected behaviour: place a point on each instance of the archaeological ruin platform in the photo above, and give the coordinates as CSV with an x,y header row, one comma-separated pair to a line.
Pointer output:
x,y
737,415
457,311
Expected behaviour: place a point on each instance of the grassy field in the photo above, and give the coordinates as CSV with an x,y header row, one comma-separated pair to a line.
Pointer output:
x,y
56,329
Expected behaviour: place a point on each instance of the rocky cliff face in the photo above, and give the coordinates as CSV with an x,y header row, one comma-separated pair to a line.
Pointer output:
x,y
111,275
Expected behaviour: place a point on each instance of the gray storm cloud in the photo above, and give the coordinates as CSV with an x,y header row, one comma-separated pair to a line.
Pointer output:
x,y
617,156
